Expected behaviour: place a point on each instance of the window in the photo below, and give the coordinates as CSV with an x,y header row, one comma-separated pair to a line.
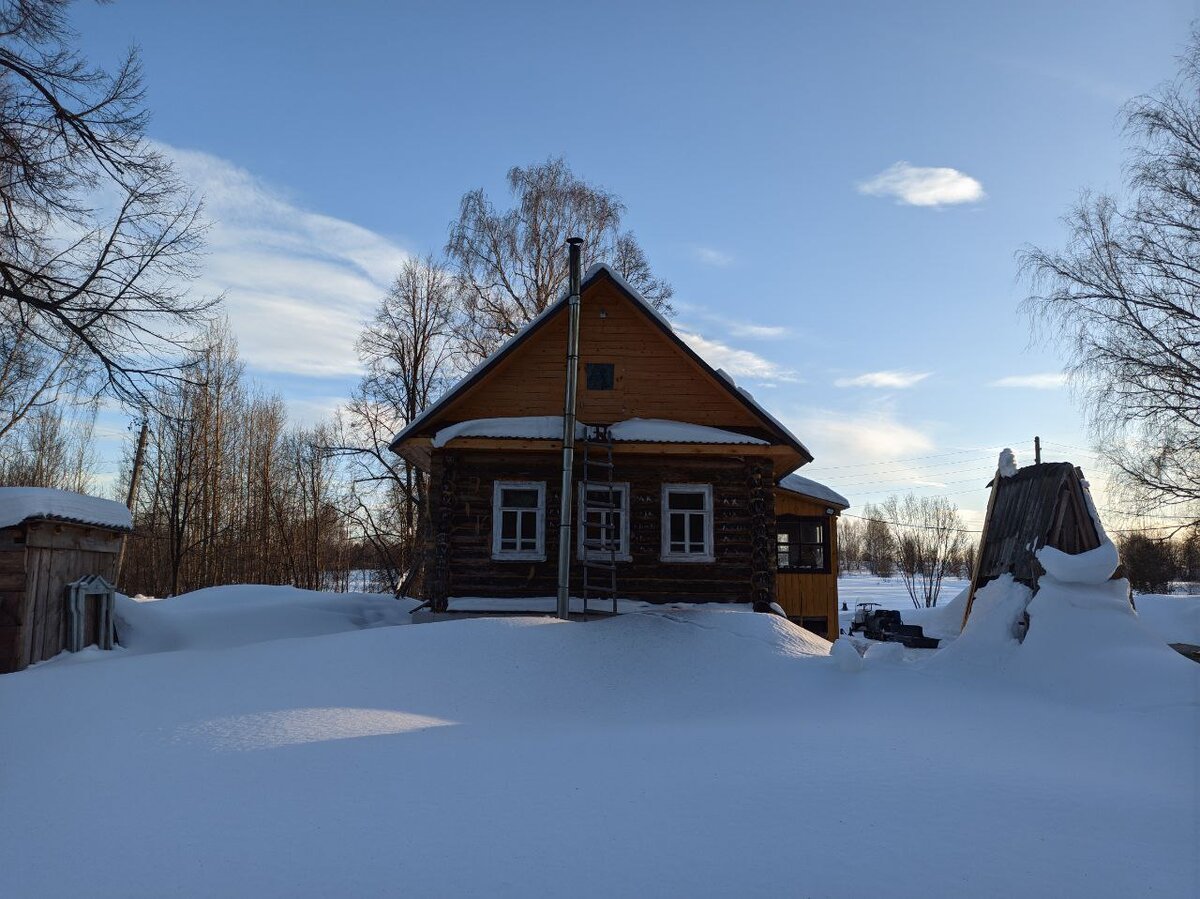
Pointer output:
x,y
802,544
519,520
604,528
600,375
687,523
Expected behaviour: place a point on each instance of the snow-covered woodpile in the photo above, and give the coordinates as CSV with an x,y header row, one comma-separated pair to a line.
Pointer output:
x,y
50,541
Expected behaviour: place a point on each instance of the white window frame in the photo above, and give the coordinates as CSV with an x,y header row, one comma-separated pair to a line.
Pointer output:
x,y
623,554
709,554
511,555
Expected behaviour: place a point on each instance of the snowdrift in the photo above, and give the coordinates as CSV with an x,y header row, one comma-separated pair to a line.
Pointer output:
x,y
224,617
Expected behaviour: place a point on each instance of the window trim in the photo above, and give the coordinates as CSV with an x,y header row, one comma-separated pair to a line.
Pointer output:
x,y
709,555
515,555
826,543
623,551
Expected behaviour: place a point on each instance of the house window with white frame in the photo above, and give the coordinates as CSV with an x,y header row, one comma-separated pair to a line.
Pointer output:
x,y
603,523
519,520
687,523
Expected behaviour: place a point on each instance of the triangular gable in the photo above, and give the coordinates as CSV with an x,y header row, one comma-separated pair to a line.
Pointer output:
x,y
658,375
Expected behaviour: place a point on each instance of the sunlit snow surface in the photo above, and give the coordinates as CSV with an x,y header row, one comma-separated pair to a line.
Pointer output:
x,y
260,741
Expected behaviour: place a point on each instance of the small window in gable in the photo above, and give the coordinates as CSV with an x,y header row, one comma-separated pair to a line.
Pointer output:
x,y
519,520
600,375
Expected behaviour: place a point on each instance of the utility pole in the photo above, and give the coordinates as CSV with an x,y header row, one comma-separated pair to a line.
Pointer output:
x,y
1037,450
135,476
575,245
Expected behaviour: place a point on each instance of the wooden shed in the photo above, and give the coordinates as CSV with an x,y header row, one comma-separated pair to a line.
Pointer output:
x,y
806,576
1046,504
58,561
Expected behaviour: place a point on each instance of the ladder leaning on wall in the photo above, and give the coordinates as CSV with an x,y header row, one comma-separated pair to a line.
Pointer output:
x,y
600,513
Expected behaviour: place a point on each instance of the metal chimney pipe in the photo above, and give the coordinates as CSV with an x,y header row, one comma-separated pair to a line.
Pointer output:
x,y
565,520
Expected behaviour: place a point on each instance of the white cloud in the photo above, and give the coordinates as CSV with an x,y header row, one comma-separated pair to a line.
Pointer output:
x,y
738,362
1046,381
298,284
761,332
869,436
885,379
711,256
923,186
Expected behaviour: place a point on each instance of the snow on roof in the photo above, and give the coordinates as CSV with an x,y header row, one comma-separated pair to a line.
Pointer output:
x,y
531,427
549,427
19,504
661,430
411,428
810,488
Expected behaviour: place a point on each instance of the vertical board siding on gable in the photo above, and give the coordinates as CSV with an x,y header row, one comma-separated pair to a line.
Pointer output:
x,y
464,526
653,378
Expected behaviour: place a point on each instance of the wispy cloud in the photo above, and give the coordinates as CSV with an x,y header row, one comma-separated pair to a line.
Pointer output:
x,y
868,436
712,256
1045,381
884,379
298,283
738,362
923,186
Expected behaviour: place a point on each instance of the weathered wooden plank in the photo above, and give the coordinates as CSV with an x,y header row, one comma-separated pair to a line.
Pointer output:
x,y
62,536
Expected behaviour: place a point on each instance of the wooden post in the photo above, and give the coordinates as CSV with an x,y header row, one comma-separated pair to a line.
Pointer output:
x,y
1037,450
131,497
987,518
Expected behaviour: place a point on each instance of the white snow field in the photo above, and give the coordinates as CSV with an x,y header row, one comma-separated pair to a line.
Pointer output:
x,y
263,741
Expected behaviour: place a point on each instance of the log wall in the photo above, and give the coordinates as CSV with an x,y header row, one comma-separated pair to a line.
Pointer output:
x,y
37,562
743,518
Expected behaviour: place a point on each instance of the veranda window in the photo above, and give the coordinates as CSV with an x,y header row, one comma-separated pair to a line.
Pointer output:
x,y
687,521
802,544
519,520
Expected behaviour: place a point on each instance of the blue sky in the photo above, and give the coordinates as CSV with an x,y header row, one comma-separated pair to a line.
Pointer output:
x,y
332,139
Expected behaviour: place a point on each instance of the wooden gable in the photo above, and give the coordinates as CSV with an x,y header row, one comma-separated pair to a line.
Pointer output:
x,y
655,375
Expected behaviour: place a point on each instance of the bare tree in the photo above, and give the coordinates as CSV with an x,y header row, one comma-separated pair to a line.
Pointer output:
x,y
879,549
510,263
97,235
927,535
1124,298
850,537
410,351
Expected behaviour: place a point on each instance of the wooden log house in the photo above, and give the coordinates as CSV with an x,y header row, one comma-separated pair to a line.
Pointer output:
x,y
50,540
681,475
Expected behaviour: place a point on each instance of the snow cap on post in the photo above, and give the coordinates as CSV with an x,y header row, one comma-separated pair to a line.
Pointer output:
x,y
1007,466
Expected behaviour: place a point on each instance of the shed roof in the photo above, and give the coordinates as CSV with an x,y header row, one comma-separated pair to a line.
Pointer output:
x,y
1047,504
425,419
21,504
794,483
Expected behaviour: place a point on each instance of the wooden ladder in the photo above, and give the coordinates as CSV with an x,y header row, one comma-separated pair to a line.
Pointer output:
x,y
598,503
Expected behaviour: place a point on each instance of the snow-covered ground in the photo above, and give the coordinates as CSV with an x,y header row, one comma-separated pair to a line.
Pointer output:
x,y
261,741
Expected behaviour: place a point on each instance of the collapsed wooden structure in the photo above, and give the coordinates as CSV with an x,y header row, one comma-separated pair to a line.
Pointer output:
x,y
679,474
58,560
1045,504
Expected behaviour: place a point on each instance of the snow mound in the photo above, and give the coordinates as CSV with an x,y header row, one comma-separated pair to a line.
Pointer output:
x,y
225,617
1084,643
18,504
847,656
